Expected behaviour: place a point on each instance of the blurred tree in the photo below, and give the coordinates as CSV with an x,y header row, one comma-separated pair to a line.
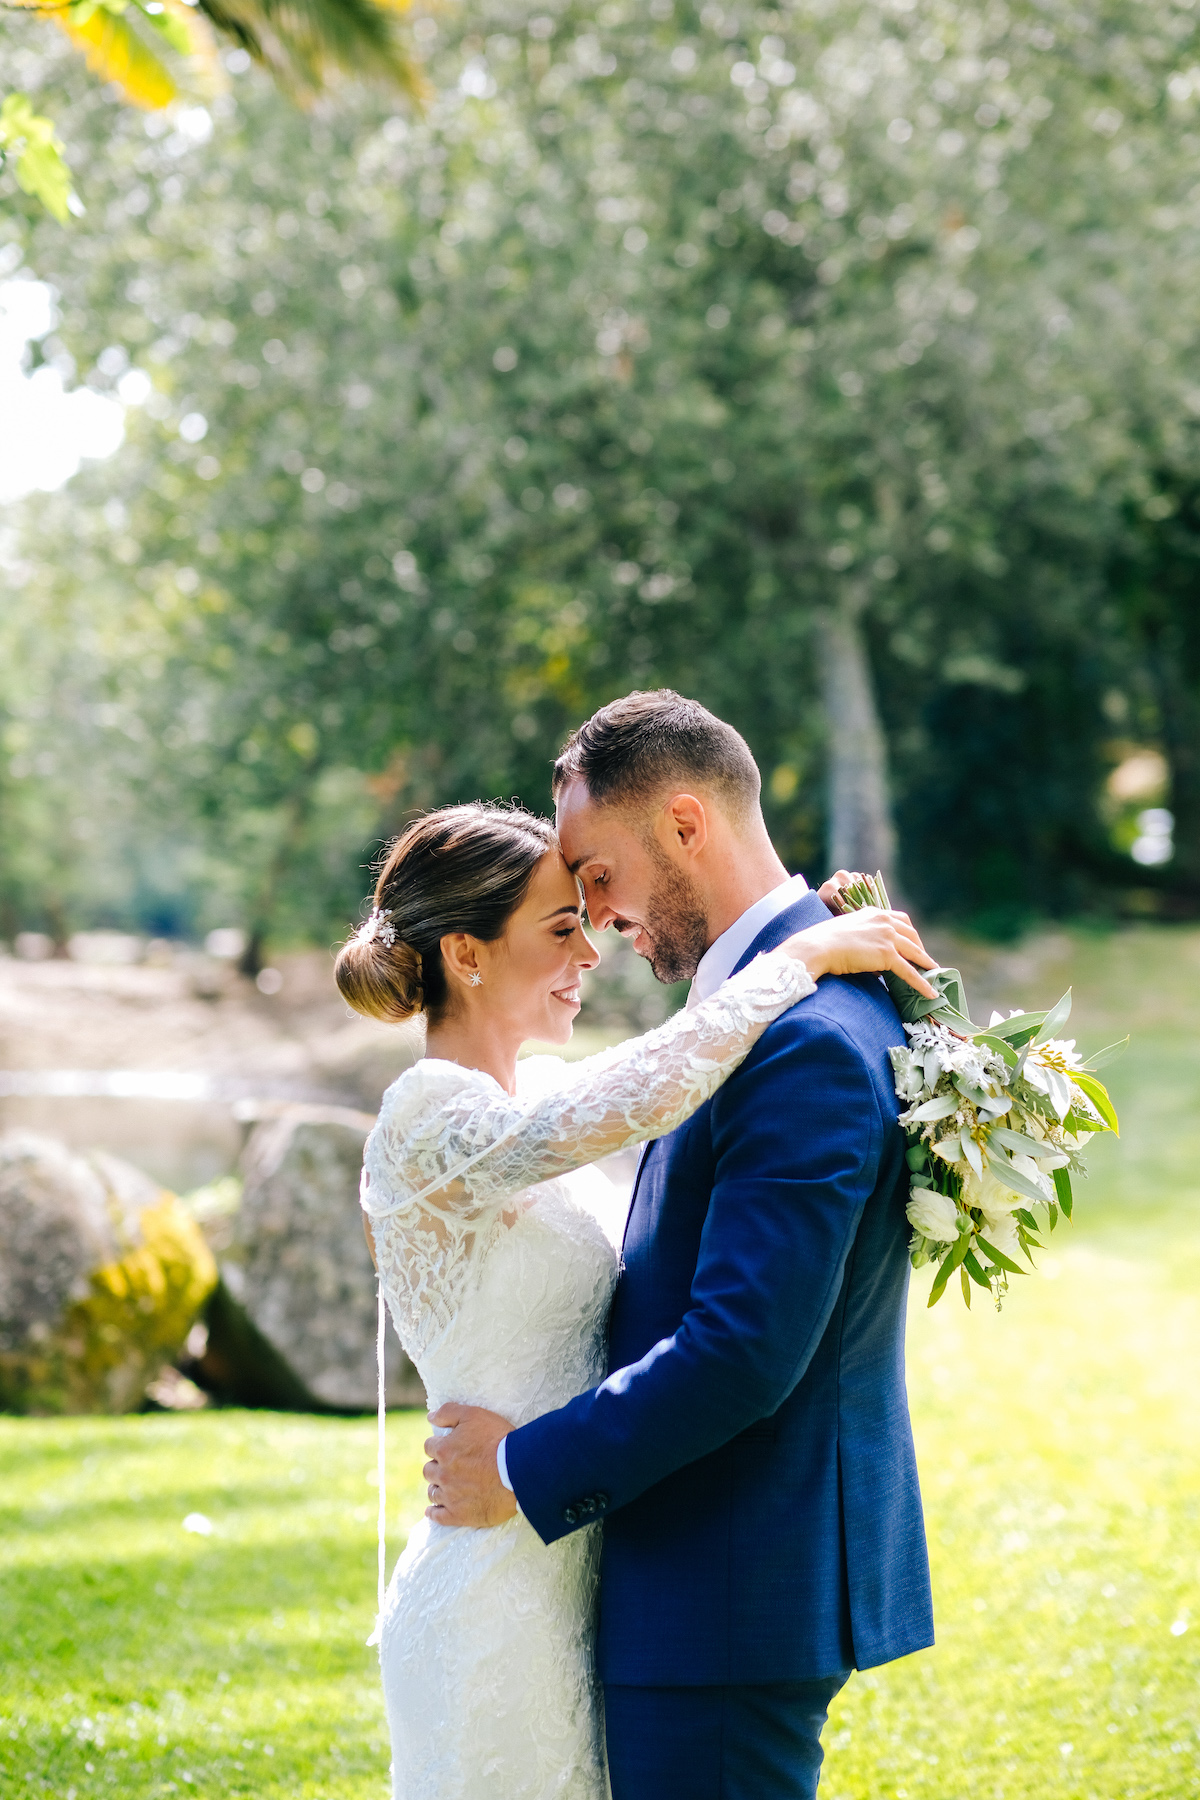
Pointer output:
x,y
755,353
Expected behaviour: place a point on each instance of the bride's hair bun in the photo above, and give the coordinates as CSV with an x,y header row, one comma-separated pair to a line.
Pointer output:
x,y
462,868
380,978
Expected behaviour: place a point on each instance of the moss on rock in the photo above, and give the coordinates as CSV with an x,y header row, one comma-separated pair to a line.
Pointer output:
x,y
102,1274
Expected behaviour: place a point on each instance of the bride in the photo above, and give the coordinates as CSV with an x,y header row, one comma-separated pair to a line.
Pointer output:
x,y
485,1223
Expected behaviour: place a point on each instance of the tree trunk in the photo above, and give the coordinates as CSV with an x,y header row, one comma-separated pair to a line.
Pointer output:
x,y
1179,699
262,911
861,833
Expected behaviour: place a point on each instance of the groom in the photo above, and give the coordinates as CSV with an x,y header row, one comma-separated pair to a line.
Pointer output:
x,y
750,1452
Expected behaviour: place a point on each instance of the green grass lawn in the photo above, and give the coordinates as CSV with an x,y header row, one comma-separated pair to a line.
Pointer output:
x,y
1060,1457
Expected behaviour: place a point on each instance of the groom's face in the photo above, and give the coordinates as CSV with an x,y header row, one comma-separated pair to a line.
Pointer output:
x,y
631,883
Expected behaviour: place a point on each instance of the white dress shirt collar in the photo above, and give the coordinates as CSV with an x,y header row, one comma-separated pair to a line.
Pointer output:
x,y
722,957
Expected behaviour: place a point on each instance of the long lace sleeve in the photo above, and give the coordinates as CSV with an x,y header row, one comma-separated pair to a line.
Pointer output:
x,y
455,1143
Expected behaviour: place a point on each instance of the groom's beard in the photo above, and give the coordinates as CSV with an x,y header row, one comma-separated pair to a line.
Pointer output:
x,y
675,922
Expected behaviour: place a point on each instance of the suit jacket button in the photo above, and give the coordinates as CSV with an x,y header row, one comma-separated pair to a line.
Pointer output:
x,y
570,1515
602,1501
588,1505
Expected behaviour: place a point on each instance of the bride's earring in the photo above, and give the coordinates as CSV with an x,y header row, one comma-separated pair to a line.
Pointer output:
x,y
476,978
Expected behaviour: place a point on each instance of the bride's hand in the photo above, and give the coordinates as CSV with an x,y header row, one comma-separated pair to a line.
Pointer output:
x,y
861,942
831,891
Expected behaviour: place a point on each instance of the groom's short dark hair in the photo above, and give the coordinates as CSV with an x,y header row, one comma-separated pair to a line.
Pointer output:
x,y
633,749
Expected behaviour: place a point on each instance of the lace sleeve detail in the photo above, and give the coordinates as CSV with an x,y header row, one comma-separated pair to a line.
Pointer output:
x,y
454,1141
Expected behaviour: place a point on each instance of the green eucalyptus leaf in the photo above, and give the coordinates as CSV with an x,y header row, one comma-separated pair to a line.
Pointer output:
x,y
1012,1178
1015,1141
1020,1029
939,1108
971,1265
995,1042
998,1257
1058,1015
940,1279
1097,1093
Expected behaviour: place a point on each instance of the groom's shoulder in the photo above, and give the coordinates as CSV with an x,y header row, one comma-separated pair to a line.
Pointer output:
x,y
825,1059
856,1008
837,1039
826,1056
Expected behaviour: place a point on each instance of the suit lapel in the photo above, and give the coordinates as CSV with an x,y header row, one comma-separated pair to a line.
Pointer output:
x,y
810,909
643,1159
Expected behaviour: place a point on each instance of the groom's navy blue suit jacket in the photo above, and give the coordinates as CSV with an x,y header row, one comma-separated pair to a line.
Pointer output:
x,y
750,1452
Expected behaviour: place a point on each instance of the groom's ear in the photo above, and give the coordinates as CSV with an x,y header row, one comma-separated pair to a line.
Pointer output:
x,y
683,826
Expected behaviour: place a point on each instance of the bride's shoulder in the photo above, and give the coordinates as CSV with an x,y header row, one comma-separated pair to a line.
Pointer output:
x,y
426,1087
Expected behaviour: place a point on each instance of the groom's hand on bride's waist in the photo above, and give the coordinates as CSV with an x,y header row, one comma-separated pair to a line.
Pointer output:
x,y
462,1476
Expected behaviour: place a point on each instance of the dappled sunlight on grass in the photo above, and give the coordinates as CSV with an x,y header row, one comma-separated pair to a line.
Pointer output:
x,y
153,1659
1059,1447
1060,1456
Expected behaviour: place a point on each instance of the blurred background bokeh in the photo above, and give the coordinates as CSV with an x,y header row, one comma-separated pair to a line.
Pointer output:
x,y
381,390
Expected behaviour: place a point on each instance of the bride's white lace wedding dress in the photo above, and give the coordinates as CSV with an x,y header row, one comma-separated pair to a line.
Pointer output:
x,y
498,1274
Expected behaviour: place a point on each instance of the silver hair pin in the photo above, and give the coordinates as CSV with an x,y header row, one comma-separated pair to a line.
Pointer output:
x,y
378,925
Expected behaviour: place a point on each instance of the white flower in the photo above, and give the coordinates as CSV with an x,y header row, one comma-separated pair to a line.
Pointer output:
x,y
1000,1230
990,1195
910,1075
1055,1086
934,1215
1063,1048
1025,1165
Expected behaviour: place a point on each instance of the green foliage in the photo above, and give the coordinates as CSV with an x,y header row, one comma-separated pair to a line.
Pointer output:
x,y
305,46
35,150
649,344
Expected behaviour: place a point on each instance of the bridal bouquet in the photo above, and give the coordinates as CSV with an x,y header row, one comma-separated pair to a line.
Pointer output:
x,y
996,1117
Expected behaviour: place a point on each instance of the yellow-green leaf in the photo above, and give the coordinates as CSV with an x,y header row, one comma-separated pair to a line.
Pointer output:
x,y
37,155
1097,1093
115,52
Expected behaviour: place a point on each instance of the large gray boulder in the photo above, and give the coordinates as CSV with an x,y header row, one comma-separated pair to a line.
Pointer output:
x,y
102,1275
294,1322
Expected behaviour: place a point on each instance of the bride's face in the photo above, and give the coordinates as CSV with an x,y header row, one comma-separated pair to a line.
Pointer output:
x,y
531,976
